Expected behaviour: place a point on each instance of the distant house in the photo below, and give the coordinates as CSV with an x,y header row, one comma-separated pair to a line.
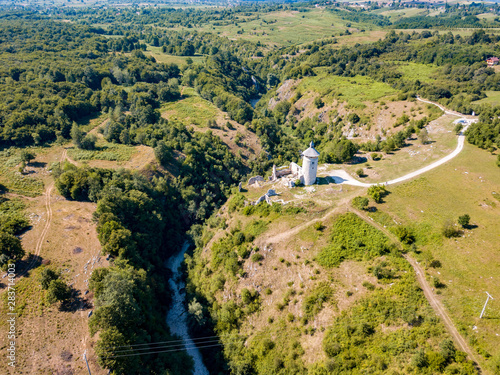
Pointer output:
x,y
492,61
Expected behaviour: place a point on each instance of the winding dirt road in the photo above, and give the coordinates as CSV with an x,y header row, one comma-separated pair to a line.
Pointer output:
x,y
45,230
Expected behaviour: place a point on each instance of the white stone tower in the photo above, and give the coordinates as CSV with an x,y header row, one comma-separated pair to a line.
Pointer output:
x,y
310,165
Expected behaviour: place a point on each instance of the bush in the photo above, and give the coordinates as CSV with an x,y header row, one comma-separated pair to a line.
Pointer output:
x,y
360,203
243,252
464,220
319,226
58,291
435,264
377,192
318,103
376,157
47,276
359,172
368,285
419,359
313,302
437,283
405,235
256,257
449,230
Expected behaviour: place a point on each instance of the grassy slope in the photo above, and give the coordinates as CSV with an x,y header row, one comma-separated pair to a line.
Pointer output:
x,y
471,263
290,271
290,28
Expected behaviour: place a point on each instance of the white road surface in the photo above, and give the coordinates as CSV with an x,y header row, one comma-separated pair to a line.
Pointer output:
x,y
342,177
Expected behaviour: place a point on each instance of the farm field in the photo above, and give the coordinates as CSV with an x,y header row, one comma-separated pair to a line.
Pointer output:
x,y
283,28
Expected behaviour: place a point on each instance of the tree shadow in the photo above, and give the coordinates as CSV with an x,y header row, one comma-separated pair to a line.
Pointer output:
x,y
37,164
470,226
75,303
358,160
32,261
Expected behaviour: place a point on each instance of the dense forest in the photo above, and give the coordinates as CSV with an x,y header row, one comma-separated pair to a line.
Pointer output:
x,y
60,66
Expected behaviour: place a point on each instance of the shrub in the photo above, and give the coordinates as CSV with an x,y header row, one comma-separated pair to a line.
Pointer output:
x,y
368,285
256,257
405,235
47,276
58,291
360,203
377,192
354,118
360,172
376,157
381,271
419,359
464,220
449,230
313,302
243,252
238,238
437,283
318,103
435,264
352,238
319,226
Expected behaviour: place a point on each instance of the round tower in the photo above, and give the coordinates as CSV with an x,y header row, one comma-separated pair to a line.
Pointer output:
x,y
310,165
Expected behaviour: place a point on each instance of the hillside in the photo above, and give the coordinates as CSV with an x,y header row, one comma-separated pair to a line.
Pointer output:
x,y
131,239
272,283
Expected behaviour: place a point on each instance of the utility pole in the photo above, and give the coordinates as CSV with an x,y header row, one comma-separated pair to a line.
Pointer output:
x,y
85,357
484,308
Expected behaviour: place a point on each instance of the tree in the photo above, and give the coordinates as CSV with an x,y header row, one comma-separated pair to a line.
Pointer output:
x,y
10,248
464,220
58,291
163,153
377,192
360,203
272,80
318,103
449,230
88,142
27,156
76,135
47,276
423,136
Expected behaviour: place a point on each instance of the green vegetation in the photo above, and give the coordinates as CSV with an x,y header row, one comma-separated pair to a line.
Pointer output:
x,y
313,302
352,238
146,74
360,203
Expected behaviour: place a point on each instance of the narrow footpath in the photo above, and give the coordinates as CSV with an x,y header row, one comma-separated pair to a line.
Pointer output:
x,y
435,303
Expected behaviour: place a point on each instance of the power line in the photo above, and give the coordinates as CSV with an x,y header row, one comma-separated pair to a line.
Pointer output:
x,y
167,346
162,351
162,342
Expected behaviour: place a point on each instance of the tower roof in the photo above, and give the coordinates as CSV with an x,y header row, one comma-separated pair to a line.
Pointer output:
x,y
311,152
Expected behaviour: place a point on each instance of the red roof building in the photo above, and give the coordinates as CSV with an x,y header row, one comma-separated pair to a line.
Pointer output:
x,y
492,61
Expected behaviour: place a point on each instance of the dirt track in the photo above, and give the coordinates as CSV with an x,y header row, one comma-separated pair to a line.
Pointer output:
x,y
435,303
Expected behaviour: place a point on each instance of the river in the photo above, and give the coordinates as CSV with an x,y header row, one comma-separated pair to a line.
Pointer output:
x,y
176,316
